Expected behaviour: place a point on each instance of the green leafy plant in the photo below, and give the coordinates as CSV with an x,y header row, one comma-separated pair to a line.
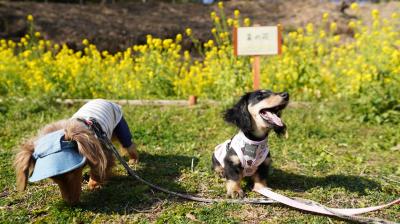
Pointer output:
x,y
378,102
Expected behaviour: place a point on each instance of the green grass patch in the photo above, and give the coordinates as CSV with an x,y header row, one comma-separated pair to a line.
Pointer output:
x,y
330,157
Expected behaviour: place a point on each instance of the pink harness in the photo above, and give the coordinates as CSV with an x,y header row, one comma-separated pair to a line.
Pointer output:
x,y
251,153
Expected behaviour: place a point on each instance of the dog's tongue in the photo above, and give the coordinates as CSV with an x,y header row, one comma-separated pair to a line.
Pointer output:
x,y
273,118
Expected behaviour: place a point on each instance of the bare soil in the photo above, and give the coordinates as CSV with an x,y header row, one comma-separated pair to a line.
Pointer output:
x,y
115,27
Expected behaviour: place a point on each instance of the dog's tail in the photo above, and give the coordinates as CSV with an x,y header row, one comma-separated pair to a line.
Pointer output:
x,y
24,164
88,146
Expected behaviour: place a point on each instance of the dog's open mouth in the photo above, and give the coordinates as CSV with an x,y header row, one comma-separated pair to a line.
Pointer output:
x,y
271,115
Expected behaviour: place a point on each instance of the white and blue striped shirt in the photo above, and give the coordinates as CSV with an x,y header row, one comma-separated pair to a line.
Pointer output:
x,y
108,114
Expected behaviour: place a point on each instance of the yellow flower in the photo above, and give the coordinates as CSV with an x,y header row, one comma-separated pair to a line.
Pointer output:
x,y
325,16
352,24
188,31
37,34
333,27
178,38
85,42
26,53
320,50
310,28
300,30
236,13
186,55
247,22
220,5
375,14
167,43
217,19
354,6
230,22
210,43
322,34
213,30
29,18
213,15
336,38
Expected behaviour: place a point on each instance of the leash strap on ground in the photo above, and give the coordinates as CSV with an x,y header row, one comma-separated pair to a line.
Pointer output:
x,y
298,203
96,128
312,206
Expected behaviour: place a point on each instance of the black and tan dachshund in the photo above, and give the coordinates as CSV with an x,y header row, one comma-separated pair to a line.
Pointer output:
x,y
247,153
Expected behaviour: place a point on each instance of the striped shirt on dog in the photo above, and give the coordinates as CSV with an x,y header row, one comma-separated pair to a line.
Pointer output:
x,y
108,114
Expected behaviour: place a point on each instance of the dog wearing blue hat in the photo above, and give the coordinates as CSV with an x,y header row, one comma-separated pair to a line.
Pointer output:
x,y
62,149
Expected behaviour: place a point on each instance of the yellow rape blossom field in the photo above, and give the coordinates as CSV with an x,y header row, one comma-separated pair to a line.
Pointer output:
x,y
316,64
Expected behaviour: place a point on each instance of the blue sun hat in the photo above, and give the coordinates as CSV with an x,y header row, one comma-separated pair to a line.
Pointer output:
x,y
54,156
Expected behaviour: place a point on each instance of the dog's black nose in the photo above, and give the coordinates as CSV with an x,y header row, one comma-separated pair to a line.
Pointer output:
x,y
284,95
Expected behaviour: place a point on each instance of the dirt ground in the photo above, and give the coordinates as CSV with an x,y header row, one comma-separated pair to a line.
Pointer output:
x,y
117,26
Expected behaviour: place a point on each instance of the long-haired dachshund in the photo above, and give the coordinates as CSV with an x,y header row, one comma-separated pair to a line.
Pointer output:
x,y
61,150
247,153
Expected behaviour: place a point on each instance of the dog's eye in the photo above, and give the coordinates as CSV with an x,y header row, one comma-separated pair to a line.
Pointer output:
x,y
261,95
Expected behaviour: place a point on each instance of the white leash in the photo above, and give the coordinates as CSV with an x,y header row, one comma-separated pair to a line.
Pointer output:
x,y
301,204
311,206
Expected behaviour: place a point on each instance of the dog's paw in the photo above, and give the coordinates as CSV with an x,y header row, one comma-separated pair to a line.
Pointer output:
x,y
233,189
132,161
93,185
236,193
259,185
133,154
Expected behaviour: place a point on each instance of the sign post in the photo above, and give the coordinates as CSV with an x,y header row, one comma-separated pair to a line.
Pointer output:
x,y
256,41
256,72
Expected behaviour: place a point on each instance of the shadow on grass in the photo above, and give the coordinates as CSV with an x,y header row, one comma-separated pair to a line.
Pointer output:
x,y
123,194
296,182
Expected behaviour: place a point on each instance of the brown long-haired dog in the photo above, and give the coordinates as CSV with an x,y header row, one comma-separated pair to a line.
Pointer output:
x,y
87,146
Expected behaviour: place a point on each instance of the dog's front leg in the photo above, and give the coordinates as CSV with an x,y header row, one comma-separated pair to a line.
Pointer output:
x,y
70,185
233,174
94,180
133,154
260,177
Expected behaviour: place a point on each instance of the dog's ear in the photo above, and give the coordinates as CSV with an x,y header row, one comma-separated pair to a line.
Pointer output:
x,y
239,114
88,146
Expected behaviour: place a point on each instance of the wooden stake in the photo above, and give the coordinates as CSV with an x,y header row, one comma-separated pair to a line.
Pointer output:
x,y
192,100
256,72
280,39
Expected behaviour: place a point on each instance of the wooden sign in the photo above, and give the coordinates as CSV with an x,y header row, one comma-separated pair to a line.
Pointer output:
x,y
257,40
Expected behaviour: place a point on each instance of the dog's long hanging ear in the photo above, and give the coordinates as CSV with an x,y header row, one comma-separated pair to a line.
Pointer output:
x,y
239,114
88,146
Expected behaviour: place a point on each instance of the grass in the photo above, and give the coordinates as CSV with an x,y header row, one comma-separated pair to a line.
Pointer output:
x,y
329,157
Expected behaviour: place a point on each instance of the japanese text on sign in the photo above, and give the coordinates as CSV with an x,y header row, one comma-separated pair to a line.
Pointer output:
x,y
261,40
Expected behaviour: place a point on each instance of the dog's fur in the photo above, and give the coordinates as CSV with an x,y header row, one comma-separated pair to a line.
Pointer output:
x,y
245,114
99,160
